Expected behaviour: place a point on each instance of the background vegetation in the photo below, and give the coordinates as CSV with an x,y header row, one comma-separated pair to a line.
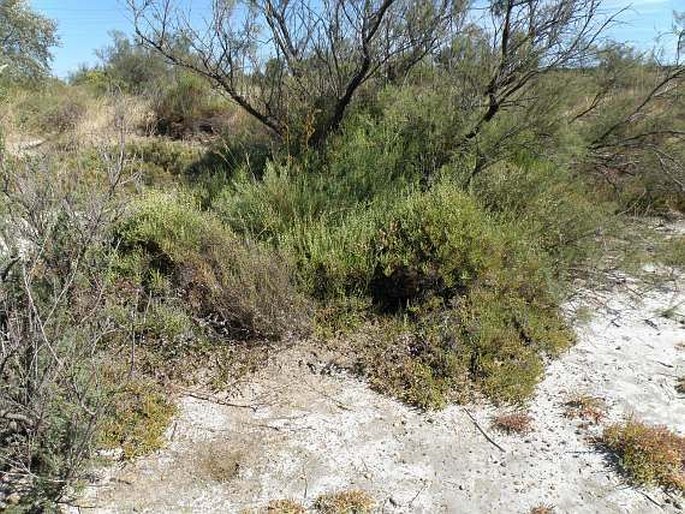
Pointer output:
x,y
422,208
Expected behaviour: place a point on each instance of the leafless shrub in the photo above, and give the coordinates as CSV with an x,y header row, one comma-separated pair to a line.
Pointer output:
x,y
282,61
54,242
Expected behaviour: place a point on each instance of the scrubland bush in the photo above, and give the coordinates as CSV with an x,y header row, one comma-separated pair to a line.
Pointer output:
x,y
240,289
186,105
554,207
53,110
429,253
100,298
53,323
429,220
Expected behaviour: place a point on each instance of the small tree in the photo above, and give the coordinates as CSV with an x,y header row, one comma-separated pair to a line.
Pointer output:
x,y
130,66
519,41
296,65
25,41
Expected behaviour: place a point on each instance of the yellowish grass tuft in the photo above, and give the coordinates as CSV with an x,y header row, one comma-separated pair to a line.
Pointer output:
x,y
542,509
352,501
285,507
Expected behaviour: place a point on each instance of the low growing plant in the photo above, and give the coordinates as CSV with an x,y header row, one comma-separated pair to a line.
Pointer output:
x,y
649,455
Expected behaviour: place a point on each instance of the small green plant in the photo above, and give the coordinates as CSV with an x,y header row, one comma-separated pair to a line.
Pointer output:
x,y
351,501
651,455
139,417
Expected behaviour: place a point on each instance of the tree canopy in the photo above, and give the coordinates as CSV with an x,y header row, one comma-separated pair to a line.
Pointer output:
x,y
26,38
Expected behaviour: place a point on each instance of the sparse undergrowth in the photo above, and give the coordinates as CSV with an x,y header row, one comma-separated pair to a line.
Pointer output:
x,y
648,455
585,407
514,422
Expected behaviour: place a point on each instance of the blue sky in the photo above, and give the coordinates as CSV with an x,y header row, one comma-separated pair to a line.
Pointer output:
x,y
84,25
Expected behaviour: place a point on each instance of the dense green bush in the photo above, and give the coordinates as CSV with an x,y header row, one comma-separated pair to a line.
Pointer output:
x,y
432,255
554,207
239,289
54,110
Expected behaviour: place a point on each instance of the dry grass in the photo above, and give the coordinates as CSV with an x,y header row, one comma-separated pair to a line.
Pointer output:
x,y
651,455
285,507
542,509
513,423
352,501
585,407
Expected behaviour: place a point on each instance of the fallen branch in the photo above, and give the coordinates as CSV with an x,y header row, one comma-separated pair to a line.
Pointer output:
x,y
214,399
650,499
480,429
13,416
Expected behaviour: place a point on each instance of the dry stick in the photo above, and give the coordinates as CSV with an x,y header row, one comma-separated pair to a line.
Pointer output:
x,y
480,429
214,399
650,499
425,484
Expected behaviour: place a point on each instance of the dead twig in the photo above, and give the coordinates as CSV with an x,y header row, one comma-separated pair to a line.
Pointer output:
x,y
652,500
480,429
219,401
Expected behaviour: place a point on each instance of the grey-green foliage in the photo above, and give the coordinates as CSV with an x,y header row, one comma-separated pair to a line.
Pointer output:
x,y
131,67
26,38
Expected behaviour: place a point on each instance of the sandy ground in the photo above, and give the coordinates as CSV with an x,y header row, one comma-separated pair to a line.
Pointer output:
x,y
300,432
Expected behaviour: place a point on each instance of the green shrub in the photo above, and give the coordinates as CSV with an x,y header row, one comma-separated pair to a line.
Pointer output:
x,y
423,364
553,207
138,418
476,291
238,288
161,161
372,159
54,110
648,454
186,106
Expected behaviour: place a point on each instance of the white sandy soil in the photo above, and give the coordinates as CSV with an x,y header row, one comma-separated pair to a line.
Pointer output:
x,y
310,432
